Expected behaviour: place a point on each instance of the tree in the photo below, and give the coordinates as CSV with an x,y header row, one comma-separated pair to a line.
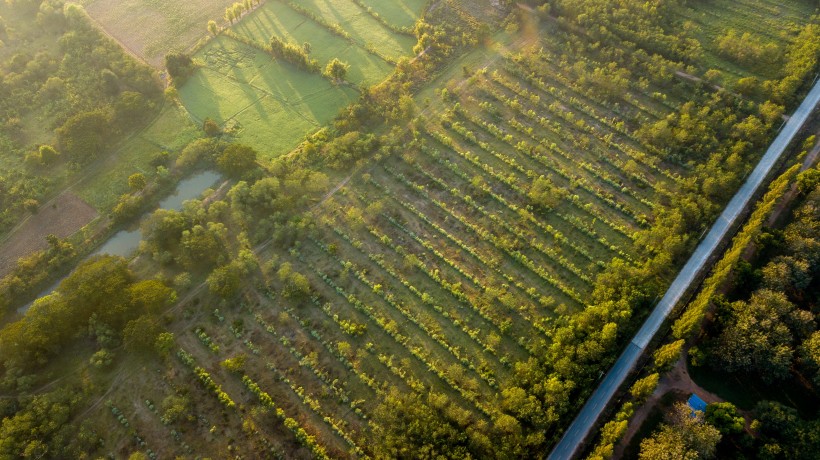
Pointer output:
x,y
225,281
644,387
667,355
237,159
140,335
724,417
684,437
211,127
137,181
82,137
336,69
759,335
180,66
48,154
409,427
151,296
164,343
213,29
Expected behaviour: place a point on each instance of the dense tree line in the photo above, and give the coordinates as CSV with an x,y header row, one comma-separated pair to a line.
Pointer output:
x,y
98,301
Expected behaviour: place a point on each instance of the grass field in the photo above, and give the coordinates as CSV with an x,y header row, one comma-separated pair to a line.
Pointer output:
x,y
274,18
271,105
152,28
400,13
362,28
171,131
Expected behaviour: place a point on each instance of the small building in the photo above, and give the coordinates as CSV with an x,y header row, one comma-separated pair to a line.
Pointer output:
x,y
696,404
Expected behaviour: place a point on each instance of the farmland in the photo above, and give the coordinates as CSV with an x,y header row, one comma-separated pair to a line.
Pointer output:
x,y
275,18
272,105
446,272
439,267
163,26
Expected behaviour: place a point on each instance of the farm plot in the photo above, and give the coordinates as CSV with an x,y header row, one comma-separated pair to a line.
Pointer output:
x,y
276,19
357,25
399,13
151,29
440,269
63,216
267,104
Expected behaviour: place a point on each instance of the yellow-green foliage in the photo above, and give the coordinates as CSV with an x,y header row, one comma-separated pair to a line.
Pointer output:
x,y
690,321
644,387
666,355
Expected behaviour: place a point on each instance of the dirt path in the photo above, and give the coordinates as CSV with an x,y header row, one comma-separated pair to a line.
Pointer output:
x,y
677,380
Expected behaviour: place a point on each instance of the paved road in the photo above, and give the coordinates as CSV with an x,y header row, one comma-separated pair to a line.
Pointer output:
x,y
581,426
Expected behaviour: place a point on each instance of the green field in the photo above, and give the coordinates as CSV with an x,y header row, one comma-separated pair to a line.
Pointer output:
x,y
162,26
361,27
274,18
270,105
171,131
400,13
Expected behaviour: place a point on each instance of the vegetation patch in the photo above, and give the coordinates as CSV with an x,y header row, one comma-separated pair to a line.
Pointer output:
x,y
357,25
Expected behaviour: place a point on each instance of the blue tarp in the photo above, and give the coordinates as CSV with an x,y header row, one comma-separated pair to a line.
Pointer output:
x,y
696,403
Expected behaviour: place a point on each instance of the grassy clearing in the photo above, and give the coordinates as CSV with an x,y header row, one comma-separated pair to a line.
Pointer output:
x,y
171,131
400,13
152,28
274,18
362,27
270,105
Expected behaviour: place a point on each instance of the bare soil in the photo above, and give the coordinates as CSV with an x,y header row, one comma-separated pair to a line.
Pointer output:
x,y
61,217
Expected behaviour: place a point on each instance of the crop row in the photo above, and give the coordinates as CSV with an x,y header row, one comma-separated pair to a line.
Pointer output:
x,y
390,299
510,181
391,329
502,243
425,298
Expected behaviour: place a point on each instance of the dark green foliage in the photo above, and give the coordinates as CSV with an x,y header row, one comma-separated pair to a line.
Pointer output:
x,y
180,67
346,149
211,128
782,434
724,417
83,136
225,281
140,335
236,160
295,54
409,428
99,296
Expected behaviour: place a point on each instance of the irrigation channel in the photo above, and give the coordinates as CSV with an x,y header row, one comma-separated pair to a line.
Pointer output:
x,y
125,242
586,419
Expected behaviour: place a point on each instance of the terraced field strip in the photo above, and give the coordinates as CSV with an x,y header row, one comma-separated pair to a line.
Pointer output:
x,y
401,14
357,24
276,19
